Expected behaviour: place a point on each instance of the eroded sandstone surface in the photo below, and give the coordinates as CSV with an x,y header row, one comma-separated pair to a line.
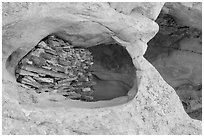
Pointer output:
x,y
176,52
151,106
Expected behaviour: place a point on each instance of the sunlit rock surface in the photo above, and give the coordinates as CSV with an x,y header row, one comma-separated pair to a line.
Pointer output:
x,y
149,9
151,107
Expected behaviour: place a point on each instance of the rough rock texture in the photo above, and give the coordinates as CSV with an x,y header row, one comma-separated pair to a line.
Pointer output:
x,y
150,10
155,109
176,52
187,13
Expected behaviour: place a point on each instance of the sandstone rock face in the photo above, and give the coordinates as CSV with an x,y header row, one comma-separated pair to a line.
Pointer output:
x,y
151,106
150,10
187,13
176,52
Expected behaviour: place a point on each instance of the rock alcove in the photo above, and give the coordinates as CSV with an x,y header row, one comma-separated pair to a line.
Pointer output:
x,y
64,72
176,53
151,106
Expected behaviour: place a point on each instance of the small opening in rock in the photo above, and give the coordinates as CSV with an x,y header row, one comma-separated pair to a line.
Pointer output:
x,y
54,66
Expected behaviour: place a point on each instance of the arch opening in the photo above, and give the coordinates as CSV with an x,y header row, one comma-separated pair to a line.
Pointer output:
x,y
88,74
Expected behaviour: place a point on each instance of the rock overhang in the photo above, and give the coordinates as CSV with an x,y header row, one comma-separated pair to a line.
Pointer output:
x,y
132,37
83,27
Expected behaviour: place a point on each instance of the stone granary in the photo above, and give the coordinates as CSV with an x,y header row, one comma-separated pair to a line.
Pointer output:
x,y
101,68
